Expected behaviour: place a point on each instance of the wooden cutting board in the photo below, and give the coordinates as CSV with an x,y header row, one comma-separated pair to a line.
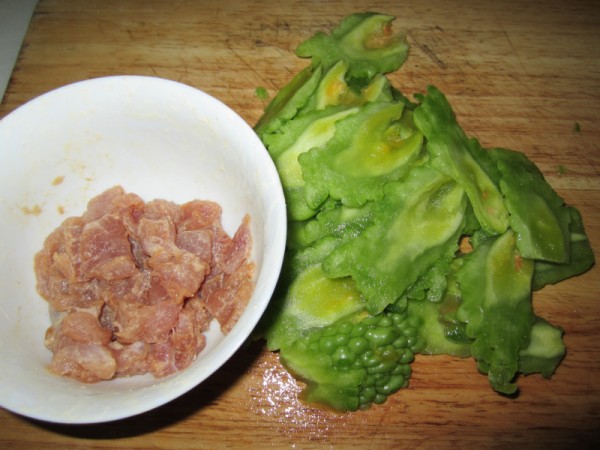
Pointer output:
x,y
522,75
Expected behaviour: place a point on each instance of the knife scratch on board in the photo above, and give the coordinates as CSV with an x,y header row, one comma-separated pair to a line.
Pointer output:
x,y
245,63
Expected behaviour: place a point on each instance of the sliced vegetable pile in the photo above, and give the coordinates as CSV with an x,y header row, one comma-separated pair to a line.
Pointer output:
x,y
405,235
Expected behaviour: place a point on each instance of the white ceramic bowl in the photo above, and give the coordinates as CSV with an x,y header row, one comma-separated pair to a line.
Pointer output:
x,y
158,139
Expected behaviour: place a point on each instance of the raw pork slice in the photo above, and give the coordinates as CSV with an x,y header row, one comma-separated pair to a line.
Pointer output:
x,y
133,286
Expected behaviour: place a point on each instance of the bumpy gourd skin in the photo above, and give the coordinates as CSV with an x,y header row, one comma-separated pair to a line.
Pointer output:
x,y
405,235
356,361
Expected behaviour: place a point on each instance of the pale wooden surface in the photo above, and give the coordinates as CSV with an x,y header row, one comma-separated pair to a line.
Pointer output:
x,y
519,74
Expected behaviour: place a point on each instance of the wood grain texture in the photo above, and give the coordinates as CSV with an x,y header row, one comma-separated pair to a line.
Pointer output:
x,y
519,75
